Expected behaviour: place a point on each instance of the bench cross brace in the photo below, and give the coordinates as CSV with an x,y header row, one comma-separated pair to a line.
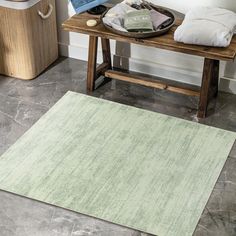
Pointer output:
x,y
210,77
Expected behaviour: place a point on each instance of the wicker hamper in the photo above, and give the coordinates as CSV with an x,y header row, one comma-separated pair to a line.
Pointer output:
x,y
28,37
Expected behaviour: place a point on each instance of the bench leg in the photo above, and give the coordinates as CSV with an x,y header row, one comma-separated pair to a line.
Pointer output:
x,y
92,62
95,72
209,88
106,52
106,64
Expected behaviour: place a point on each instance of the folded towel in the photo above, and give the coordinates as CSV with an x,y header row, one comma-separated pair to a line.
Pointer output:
x,y
115,16
207,26
138,20
158,19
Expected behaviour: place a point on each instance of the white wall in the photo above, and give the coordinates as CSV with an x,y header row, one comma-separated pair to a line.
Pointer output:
x,y
185,5
153,61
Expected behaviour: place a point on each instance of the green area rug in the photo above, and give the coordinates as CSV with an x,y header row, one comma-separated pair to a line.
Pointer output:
x,y
125,165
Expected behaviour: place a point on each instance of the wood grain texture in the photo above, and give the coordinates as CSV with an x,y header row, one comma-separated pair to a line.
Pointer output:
x,y
77,23
129,166
209,87
150,82
106,51
92,63
28,44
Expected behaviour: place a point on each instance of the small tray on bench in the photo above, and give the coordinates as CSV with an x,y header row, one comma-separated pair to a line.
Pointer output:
x,y
150,34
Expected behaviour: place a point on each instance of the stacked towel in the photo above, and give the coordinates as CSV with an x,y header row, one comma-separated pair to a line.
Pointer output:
x,y
123,17
207,26
115,16
136,21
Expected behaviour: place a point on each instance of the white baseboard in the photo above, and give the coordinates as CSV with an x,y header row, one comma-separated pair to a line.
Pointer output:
x,y
160,70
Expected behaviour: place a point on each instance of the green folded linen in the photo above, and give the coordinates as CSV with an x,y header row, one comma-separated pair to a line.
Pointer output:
x,y
136,21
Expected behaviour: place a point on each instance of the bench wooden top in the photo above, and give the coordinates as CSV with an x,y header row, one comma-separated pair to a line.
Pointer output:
x,y
77,23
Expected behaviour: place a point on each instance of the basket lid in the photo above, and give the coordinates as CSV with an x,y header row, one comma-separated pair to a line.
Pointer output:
x,y
18,4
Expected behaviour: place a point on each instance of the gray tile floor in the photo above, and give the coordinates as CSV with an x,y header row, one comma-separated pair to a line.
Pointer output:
x,y
22,103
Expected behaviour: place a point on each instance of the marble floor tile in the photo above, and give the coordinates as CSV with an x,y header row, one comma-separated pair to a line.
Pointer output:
x,y
233,151
22,103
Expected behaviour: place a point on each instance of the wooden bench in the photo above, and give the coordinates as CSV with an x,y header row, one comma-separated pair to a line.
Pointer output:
x,y
212,55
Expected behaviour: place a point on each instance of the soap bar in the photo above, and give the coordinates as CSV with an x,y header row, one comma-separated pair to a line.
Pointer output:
x,y
91,23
